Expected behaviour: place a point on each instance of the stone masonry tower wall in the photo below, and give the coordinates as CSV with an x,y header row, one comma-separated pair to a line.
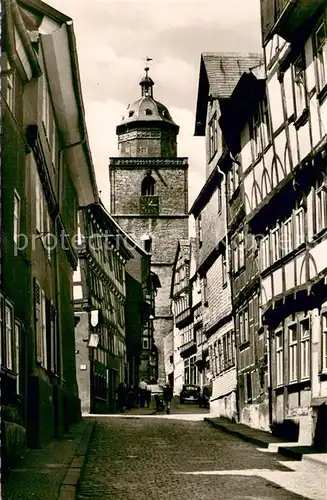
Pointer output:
x,y
149,195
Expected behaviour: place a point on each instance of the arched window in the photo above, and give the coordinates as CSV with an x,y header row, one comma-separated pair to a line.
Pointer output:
x,y
148,185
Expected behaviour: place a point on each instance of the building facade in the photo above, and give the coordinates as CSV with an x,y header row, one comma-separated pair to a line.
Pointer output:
x,y
149,194
219,74
239,122
99,305
288,209
48,173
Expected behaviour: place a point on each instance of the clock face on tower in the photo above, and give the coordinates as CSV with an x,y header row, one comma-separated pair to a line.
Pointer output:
x,y
149,205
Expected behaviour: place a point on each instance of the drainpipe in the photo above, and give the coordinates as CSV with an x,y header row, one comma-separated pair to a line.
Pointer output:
x,y
17,18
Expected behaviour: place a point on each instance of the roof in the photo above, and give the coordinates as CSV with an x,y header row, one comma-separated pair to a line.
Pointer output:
x,y
219,74
146,108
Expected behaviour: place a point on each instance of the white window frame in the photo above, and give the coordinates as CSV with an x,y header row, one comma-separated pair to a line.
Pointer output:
x,y
279,349
10,87
145,343
255,134
241,248
287,236
39,205
320,208
265,123
17,211
299,227
321,56
305,348
265,253
200,232
293,352
9,332
18,333
299,85
275,244
224,267
324,342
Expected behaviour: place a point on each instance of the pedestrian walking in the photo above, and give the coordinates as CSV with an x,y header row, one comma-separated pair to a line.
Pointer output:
x,y
122,396
143,388
148,397
168,396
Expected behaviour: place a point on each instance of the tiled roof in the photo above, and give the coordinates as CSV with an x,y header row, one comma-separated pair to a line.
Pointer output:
x,y
224,70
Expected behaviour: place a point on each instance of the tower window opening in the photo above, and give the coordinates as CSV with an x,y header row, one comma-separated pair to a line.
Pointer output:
x,y
148,186
131,113
148,112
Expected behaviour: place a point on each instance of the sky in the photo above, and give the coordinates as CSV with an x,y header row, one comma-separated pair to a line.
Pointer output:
x,y
113,40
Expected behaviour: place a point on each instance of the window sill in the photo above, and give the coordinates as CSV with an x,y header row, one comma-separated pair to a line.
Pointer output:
x,y
301,120
322,94
298,385
244,345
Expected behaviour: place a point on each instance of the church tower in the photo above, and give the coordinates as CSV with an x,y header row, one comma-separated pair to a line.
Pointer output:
x,y
149,194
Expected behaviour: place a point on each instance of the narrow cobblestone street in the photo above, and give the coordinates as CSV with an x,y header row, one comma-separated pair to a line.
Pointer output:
x,y
162,458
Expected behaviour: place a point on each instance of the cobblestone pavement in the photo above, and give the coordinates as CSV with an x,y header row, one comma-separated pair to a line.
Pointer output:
x,y
160,458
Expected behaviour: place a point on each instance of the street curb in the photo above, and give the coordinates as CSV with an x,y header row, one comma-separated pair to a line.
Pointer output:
x,y
70,486
282,450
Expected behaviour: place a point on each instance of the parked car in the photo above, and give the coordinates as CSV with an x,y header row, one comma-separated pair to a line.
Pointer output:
x,y
190,394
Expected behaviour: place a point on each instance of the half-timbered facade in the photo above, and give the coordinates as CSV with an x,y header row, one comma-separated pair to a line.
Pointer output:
x,y
219,74
245,110
184,345
99,304
286,205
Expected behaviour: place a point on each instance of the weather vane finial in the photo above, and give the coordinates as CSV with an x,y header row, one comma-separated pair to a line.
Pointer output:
x,y
147,60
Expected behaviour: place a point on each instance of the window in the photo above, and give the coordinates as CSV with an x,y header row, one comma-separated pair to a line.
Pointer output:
x,y
9,317
275,245
148,186
244,326
10,87
248,379
224,267
39,202
265,124
199,221
148,112
305,349
287,236
17,355
320,206
292,342
234,177
324,341
279,358
213,137
40,324
131,113
241,249
299,85
145,343
255,134
16,216
265,259
299,227
320,38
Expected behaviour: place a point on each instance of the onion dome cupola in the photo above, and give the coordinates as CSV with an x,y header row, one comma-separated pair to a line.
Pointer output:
x,y
147,129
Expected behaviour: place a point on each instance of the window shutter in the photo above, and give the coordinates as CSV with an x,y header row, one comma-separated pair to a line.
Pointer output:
x,y
37,314
48,310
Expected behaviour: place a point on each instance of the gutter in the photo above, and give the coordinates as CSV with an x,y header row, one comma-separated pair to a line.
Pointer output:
x,y
16,17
